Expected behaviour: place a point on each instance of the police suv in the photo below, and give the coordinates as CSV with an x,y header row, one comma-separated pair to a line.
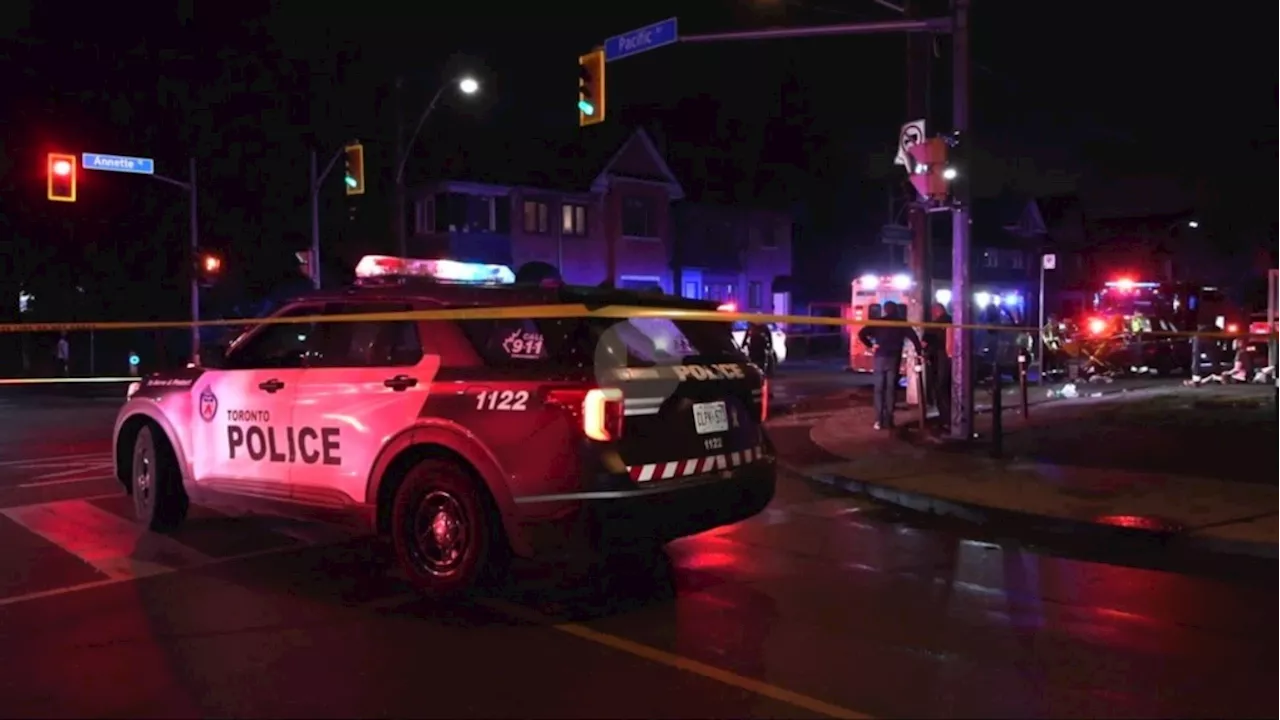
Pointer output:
x,y
465,441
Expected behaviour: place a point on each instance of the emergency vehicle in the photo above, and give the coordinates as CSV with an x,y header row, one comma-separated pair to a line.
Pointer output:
x,y
465,441
870,293
1140,326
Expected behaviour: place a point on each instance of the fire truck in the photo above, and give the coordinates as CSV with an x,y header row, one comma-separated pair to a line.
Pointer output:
x,y
1132,325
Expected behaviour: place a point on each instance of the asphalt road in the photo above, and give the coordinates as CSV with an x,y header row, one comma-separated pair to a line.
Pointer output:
x,y
822,606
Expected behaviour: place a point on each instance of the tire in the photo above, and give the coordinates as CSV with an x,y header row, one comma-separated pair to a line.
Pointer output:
x,y
445,530
155,483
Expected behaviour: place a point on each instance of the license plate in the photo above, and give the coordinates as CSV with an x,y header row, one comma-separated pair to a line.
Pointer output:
x,y
710,417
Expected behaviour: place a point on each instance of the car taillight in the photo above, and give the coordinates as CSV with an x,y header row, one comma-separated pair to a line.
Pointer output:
x,y
764,401
598,410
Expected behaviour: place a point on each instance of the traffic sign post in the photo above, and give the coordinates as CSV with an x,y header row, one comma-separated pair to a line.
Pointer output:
x,y
1048,261
118,163
646,38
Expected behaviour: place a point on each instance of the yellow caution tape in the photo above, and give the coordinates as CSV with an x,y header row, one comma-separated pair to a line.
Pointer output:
x,y
619,312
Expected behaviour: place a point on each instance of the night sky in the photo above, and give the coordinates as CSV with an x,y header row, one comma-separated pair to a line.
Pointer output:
x,y
1138,107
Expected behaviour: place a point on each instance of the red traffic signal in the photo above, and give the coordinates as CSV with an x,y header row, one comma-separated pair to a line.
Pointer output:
x,y
930,175
62,177
208,267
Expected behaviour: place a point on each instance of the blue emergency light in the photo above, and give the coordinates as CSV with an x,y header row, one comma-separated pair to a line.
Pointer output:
x,y
134,360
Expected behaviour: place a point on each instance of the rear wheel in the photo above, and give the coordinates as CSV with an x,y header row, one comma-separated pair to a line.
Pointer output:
x,y
443,529
156,483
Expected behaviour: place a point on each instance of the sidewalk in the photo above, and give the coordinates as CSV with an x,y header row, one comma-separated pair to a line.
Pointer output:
x,y
1195,467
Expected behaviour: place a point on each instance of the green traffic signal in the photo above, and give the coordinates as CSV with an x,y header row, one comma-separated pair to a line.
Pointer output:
x,y
586,108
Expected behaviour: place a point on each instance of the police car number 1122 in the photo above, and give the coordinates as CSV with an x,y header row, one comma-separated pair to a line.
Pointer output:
x,y
503,400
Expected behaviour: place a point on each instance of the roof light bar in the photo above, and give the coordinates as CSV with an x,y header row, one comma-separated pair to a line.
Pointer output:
x,y
373,266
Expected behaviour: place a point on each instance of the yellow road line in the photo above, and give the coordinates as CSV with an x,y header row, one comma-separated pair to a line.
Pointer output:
x,y
679,662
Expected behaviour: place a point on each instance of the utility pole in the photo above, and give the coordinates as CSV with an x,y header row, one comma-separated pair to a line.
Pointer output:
x,y
918,47
962,297
190,187
317,180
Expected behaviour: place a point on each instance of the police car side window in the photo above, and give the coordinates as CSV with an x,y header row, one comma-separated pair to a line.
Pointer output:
x,y
277,345
368,344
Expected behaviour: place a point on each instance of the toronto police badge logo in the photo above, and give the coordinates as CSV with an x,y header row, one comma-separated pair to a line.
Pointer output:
x,y
208,405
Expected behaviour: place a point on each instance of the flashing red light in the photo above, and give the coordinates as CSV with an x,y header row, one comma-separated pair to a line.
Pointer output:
x,y
212,263
728,307
1124,284
1233,328
62,167
1097,326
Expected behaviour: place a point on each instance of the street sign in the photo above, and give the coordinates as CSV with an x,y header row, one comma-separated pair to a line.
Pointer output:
x,y
118,163
1050,261
895,234
638,41
911,134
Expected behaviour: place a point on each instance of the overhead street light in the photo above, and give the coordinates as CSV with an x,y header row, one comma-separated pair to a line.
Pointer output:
x,y
469,86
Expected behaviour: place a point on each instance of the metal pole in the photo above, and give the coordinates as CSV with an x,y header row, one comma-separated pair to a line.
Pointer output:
x,y
934,25
195,278
961,361
315,224
1040,332
92,364
398,200
997,401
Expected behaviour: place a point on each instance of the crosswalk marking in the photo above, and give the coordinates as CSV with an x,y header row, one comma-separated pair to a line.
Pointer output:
x,y
114,546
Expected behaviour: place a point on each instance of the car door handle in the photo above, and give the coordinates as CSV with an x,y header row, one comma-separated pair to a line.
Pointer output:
x,y
400,383
271,385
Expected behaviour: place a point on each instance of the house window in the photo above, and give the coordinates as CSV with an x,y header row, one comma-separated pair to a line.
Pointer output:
x,y
691,289
536,217
719,292
754,295
1017,260
639,217
573,220
990,258
462,213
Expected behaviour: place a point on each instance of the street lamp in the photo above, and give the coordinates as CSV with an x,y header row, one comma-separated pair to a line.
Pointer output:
x,y
467,85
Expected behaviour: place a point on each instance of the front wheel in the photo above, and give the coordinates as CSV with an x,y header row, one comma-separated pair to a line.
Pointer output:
x,y
443,530
156,484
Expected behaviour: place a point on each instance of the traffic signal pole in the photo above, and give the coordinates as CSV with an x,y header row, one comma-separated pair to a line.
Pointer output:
x,y
317,180
958,27
190,187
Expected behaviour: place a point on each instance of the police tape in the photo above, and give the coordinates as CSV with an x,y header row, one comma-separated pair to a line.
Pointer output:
x,y
68,380
562,311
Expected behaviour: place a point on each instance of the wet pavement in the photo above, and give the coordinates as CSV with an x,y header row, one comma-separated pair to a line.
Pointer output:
x,y
822,606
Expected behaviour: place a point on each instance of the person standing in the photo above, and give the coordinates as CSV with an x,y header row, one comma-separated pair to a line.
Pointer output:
x,y
63,355
887,342
938,345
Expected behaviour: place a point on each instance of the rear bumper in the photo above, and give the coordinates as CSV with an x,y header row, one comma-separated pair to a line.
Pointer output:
x,y
658,511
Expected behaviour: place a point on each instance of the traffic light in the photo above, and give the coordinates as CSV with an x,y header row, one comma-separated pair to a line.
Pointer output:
x,y
931,176
353,180
591,102
62,177
208,267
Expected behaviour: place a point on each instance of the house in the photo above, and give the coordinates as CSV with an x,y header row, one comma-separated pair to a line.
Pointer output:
x,y
729,253
598,208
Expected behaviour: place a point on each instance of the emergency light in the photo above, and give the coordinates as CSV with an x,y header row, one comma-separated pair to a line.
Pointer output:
x,y
375,266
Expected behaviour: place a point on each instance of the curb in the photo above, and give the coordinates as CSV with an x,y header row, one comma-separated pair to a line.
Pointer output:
x,y
986,515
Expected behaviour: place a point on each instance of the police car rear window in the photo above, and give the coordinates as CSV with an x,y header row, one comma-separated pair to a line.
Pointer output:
x,y
575,341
